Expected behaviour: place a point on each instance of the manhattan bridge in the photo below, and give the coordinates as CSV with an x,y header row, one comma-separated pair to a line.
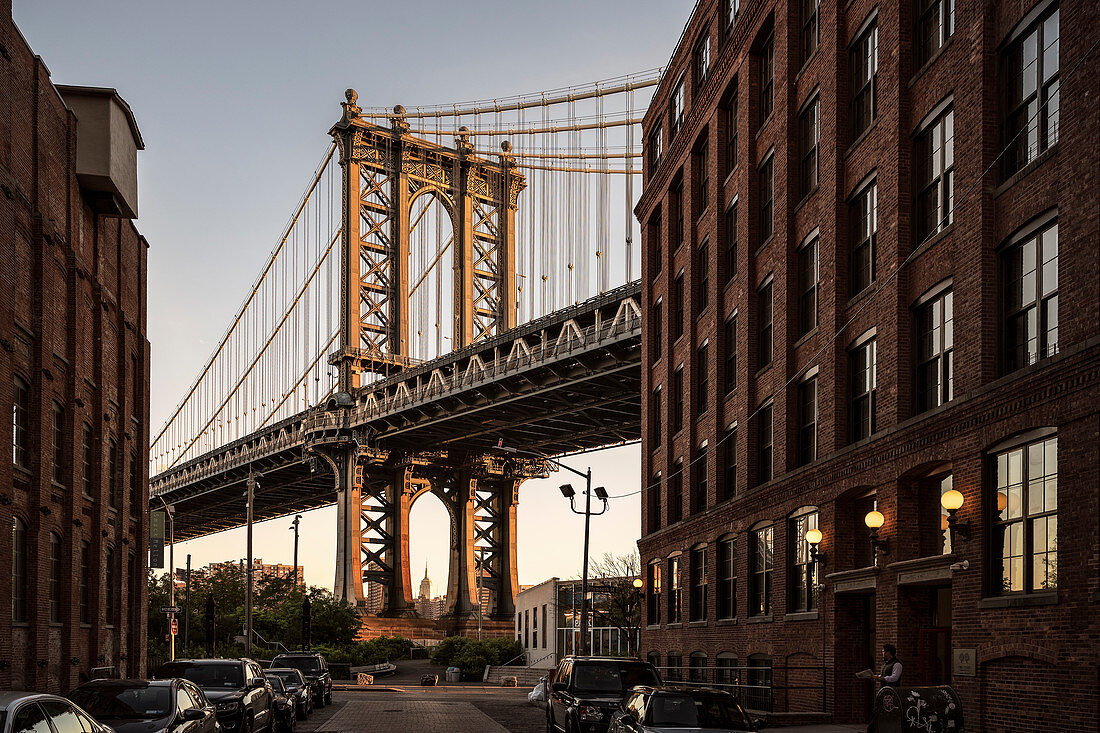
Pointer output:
x,y
455,278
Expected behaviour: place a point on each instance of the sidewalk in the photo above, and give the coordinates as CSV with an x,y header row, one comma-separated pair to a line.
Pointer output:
x,y
828,728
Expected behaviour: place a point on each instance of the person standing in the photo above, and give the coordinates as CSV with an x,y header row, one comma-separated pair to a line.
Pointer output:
x,y
891,667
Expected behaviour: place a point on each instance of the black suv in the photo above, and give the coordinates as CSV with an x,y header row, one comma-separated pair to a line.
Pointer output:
x,y
238,689
586,691
314,668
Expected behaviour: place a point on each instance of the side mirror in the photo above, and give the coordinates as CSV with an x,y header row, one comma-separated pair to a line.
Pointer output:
x,y
759,724
559,687
256,682
194,714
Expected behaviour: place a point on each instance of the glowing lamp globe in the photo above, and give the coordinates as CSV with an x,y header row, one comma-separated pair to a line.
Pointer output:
x,y
813,536
637,582
952,500
874,519
1002,501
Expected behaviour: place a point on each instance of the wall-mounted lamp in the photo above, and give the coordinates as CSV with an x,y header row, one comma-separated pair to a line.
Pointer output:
x,y
637,584
952,501
813,538
874,521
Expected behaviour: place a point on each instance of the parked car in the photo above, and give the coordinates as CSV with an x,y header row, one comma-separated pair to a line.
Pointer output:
x,y
586,691
242,697
32,711
285,707
660,709
314,668
140,706
297,687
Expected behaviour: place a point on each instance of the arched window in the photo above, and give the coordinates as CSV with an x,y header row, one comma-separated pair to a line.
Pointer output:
x,y
726,675
801,596
19,570
1024,506
699,583
675,590
653,594
21,423
85,571
654,658
727,577
111,586
758,690
675,671
55,578
697,667
761,564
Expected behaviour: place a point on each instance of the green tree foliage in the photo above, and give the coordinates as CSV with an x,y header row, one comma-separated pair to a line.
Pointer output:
x,y
472,656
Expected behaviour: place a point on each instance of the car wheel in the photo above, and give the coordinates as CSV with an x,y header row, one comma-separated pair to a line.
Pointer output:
x,y
549,723
248,725
328,698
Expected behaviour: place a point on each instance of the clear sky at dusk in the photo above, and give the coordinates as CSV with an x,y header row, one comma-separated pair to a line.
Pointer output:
x,y
234,101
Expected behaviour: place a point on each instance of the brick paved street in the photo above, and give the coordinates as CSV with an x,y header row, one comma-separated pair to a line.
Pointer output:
x,y
467,709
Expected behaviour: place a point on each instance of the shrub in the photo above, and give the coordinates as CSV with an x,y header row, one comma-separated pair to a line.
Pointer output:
x,y
447,649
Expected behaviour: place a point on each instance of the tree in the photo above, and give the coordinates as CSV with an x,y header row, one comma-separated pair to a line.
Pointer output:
x,y
620,602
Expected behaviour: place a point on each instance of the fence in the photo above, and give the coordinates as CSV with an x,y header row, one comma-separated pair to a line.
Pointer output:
x,y
767,688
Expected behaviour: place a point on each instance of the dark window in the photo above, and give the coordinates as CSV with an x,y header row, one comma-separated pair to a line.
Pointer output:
x,y
702,276
653,495
697,667
1031,298
676,109
677,406
935,352
87,451
803,574
135,485
1025,518
655,238
653,601
864,384
935,166
863,221
727,578
675,599
656,140
934,26
701,58
699,472
702,177
58,457
767,78
699,584
764,468
863,73
85,572
764,326
19,550
729,464
809,135
808,276
675,667
112,472
544,626
731,242
758,683
655,417
807,421
676,202
726,673
676,492
730,344
658,329
810,33
702,378
111,584
678,306
762,561
766,197
729,110
732,8
1030,69
21,423
55,578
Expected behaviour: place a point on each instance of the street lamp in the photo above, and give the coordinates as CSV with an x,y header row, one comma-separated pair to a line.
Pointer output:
x,y
813,539
952,501
874,521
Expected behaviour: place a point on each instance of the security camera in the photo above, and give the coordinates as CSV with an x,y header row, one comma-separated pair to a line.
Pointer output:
x,y
964,565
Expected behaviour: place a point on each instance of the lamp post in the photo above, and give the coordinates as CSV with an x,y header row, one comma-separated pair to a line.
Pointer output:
x,y
250,495
169,509
635,634
874,521
813,538
952,501
294,526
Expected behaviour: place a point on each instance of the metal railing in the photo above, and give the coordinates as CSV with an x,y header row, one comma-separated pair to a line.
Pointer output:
x,y
771,688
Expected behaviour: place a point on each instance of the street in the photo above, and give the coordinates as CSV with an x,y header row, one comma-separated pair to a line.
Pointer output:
x,y
460,709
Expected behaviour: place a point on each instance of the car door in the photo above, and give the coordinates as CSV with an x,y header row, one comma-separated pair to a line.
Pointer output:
x,y
208,723
62,716
263,697
558,700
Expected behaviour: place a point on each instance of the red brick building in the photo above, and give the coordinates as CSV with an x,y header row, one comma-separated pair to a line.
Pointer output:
x,y
74,365
872,246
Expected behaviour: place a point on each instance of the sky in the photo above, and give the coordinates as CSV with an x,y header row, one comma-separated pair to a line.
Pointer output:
x,y
234,101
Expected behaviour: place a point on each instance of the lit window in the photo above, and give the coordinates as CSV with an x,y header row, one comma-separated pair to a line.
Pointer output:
x,y
1025,518
762,562
1031,298
803,574
675,598
653,601
699,584
935,352
727,578
935,165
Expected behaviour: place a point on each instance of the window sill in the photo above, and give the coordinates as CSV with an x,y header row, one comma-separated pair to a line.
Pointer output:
x,y
809,195
1032,165
674,626
761,370
726,622
763,244
760,619
87,497
653,627
805,337
861,137
802,616
700,622
764,122
928,64
806,65
28,473
730,395
932,239
729,176
704,212
20,624
1023,600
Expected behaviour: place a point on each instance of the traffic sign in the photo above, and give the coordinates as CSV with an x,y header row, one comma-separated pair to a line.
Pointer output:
x,y
175,627
169,609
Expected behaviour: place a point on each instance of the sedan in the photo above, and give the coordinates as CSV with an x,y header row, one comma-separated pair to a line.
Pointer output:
x,y
664,709
31,712
145,706
296,687
285,708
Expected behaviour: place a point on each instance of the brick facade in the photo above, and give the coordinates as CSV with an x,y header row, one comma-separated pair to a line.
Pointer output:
x,y
73,328
916,595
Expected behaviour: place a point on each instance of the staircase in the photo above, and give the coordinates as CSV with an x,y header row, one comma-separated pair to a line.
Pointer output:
x,y
525,676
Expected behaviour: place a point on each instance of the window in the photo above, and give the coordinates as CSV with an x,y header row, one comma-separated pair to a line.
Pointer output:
x,y
935,352
19,549
729,372
655,238
1030,68
764,470
807,421
762,560
655,417
729,110
732,7
697,667
653,496
658,335
21,423
676,109
674,591
863,73
802,596
111,586
729,464
699,584
766,194
934,26
1025,518
55,578
726,595
725,672
764,326
58,455
544,626
702,276
808,275
676,492
864,384
656,144
702,378
699,489
85,570
702,176
701,58
527,628
758,692
653,601
863,221
810,33
87,453
31,719
946,484
135,485
809,135
731,242
1031,298
678,399
676,202
678,306
935,164
64,717
675,667
112,472
767,78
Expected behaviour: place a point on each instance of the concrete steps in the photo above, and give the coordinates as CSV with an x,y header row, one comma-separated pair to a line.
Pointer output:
x,y
525,676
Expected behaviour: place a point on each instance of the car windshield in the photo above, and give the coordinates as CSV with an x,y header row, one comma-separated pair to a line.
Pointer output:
x,y
290,678
611,677
276,683
207,676
305,664
705,711
123,702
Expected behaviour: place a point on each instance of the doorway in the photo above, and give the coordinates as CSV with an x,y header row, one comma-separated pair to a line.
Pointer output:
x,y
854,651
